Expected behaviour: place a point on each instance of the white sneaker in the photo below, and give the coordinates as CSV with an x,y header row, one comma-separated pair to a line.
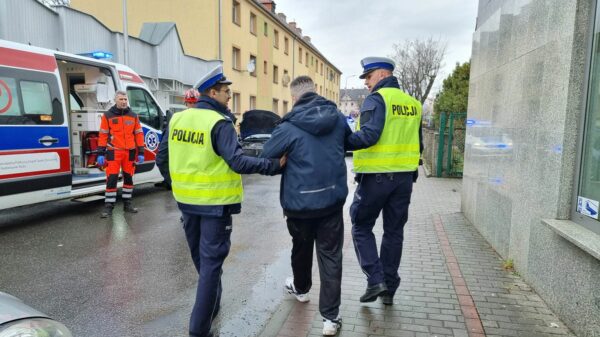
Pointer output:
x,y
330,328
289,287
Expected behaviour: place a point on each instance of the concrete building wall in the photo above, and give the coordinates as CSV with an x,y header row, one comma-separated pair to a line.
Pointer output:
x,y
198,26
43,29
527,94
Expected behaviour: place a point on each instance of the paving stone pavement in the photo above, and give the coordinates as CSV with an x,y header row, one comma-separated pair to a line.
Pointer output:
x,y
453,282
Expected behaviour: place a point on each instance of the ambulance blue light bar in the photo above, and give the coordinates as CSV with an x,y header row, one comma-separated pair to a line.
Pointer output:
x,y
98,54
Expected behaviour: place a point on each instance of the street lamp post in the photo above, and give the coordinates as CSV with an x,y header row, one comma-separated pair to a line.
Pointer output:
x,y
346,84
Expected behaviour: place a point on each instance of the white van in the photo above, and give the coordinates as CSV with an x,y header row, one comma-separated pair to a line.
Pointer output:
x,y
50,108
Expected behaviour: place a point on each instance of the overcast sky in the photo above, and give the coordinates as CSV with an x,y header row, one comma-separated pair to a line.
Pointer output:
x,y
345,31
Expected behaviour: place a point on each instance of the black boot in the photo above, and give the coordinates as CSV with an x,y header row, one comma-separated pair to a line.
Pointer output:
x,y
107,212
128,207
373,292
387,299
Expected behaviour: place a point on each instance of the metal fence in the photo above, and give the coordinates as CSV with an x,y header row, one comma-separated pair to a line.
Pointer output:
x,y
451,146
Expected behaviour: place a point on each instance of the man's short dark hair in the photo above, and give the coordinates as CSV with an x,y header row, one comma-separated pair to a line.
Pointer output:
x,y
301,85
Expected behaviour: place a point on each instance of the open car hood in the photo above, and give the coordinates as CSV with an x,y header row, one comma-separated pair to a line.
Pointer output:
x,y
258,122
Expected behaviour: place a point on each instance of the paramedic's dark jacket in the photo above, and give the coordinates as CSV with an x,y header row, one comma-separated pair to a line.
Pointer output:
x,y
225,144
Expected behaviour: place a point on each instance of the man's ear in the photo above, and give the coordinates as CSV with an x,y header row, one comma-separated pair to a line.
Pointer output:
x,y
211,93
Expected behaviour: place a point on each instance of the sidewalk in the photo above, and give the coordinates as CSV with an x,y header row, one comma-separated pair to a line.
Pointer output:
x,y
453,283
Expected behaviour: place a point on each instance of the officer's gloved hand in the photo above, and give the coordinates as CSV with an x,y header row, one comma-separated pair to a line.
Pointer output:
x,y
140,159
100,160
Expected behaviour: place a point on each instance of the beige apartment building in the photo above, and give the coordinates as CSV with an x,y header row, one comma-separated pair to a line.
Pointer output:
x,y
261,51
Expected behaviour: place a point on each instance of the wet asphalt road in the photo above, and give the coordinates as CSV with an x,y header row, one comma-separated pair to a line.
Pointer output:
x,y
132,275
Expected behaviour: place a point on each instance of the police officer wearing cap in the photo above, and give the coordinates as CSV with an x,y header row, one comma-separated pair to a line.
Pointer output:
x,y
205,161
388,144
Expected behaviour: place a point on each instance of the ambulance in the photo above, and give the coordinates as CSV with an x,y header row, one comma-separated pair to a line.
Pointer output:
x,y
50,109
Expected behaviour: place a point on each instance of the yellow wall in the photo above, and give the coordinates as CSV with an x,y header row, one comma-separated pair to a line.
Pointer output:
x,y
198,27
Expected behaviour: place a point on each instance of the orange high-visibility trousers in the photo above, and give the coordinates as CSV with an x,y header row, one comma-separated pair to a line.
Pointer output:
x,y
117,160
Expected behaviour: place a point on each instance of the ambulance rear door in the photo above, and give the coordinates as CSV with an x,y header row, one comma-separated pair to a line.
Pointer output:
x,y
34,136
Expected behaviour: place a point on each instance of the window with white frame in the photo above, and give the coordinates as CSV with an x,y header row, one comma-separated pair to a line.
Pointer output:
x,y
252,23
235,15
235,102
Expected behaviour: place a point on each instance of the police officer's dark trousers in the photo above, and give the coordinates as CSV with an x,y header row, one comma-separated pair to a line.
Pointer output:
x,y
391,193
328,233
209,242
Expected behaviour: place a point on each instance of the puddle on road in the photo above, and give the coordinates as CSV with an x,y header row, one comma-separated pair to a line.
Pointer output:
x,y
258,307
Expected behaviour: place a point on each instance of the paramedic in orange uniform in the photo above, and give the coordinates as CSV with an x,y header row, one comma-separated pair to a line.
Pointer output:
x,y
121,142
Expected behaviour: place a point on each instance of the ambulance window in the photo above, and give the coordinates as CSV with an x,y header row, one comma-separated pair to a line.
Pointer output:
x,y
144,106
36,98
29,98
9,105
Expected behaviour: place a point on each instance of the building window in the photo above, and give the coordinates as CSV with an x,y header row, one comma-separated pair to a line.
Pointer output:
x,y
266,29
286,45
252,102
300,54
317,66
588,184
253,23
235,15
265,65
276,39
312,60
276,106
285,79
285,107
275,74
235,58
235,102
253,62
321,68
306,59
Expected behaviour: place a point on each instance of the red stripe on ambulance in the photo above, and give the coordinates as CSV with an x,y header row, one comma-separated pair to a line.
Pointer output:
x,y
28,60
131,77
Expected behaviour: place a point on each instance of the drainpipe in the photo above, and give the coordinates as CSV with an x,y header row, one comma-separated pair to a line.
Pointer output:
x,y
220,31
125,35
294,58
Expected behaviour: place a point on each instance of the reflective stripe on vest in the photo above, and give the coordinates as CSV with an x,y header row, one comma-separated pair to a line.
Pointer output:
x,y
397,149
199,176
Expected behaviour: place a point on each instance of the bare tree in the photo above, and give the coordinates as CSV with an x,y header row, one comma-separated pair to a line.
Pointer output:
x,y
418,64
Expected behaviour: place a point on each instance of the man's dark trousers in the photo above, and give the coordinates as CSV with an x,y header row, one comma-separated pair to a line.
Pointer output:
x,y
391,193
328,232
209,242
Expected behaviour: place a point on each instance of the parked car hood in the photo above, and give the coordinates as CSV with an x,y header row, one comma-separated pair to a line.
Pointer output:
x,y
258,122
11,309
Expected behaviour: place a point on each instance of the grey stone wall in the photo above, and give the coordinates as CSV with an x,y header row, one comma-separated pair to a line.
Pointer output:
x,y
526,95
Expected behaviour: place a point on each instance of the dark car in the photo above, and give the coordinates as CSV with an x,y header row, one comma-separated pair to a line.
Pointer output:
x,y
255,129
18,319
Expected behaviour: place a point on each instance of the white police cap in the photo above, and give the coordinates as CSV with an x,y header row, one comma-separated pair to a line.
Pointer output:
x,y
214,76
373,62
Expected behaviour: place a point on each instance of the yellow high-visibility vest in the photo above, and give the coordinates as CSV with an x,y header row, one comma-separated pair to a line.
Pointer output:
x,y
397,150
198,175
